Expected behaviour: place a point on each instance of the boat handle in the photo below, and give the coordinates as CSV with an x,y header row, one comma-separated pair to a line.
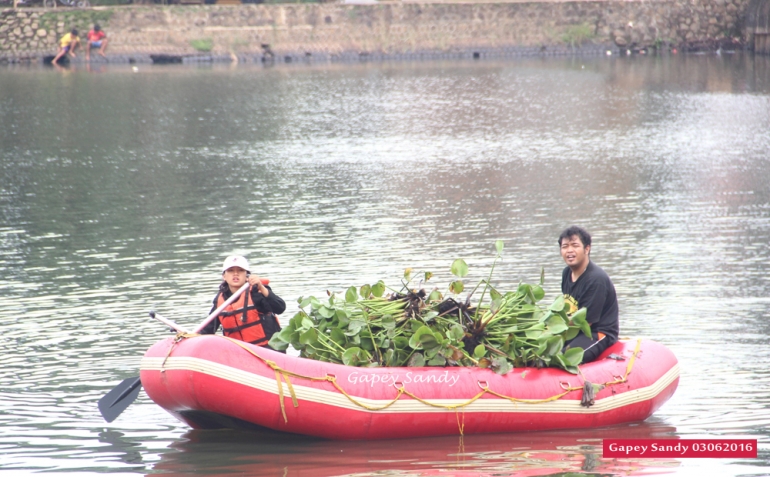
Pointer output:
x,y
485,384
565,386
398,384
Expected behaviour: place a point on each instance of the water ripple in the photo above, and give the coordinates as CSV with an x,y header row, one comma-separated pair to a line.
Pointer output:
x,y
330,176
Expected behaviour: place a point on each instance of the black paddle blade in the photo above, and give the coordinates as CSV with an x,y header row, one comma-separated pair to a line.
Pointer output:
x,y
117,400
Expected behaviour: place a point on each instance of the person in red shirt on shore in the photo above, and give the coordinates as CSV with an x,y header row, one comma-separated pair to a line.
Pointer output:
x,y
96,38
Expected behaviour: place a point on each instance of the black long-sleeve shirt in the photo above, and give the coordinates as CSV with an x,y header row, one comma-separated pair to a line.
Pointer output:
x,y
593,290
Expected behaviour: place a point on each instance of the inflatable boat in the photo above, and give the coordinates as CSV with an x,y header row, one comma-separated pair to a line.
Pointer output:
x,y
210,381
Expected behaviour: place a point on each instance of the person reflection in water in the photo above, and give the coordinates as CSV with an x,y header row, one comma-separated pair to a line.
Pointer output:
x,y
586,285
252,316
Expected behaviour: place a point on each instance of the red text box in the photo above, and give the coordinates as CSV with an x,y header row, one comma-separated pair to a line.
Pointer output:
x,y
680,448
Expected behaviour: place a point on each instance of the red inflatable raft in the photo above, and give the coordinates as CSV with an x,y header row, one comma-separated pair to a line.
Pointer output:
x,y
215,382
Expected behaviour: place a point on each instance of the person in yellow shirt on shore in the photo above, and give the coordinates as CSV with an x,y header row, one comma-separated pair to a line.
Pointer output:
x,y
68,44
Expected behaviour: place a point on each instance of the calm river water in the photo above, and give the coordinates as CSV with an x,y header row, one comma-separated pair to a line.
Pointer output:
x,y
122,191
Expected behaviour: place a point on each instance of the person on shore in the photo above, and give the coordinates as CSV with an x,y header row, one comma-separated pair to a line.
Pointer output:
x,y
67,45
96,38
586,285
252,316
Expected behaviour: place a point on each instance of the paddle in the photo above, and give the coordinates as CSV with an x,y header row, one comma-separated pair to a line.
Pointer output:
x,y
116,401
168,322
182,329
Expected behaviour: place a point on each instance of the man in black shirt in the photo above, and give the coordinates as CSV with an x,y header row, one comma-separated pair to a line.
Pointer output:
x,y
586,285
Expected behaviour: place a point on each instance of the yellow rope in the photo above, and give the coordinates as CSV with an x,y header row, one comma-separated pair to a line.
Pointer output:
x,y
629,366
280,395
633,358
460,425
280,372
533,401
333,380
443,406
179,337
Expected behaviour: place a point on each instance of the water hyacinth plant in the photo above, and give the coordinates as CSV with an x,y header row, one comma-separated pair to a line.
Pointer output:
x,y
410,327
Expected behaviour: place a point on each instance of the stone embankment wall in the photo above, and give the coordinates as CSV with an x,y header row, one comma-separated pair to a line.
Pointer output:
x,y
386,28
758,25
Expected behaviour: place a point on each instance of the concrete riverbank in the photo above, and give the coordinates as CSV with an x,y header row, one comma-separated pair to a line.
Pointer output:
x,y
329,31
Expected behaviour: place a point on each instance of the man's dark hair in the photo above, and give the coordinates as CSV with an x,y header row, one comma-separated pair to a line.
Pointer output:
x,y
74,32
582,234
97,27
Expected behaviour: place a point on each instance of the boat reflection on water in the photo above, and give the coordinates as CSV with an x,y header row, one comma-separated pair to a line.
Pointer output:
x,y
552,453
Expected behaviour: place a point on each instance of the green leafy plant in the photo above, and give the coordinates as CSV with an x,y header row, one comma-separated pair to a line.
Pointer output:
x,y
410,327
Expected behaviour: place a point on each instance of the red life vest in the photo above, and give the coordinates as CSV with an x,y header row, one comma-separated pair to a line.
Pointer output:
x,y
242,321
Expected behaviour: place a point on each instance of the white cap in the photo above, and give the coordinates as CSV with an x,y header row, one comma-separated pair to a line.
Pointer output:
x,y
235,261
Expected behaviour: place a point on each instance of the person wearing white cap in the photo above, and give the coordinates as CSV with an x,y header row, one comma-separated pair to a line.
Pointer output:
x,y
252,317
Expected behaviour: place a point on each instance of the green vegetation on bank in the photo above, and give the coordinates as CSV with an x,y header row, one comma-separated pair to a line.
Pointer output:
x,y
83,20
576,35
202,44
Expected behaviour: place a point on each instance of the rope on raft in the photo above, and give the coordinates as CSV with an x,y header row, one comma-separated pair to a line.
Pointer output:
x,y
587,400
